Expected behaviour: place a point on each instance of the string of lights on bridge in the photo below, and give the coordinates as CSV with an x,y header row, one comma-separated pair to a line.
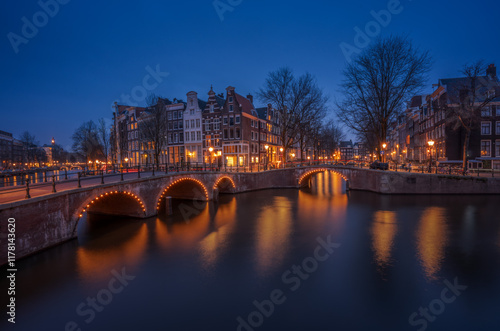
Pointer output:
x,y
222,178
178,181
132,195
305,175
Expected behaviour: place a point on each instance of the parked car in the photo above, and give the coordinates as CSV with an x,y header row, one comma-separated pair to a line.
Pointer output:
x,y
379,165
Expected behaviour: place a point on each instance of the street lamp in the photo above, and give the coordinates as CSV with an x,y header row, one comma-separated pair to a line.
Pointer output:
x,y
267,154
211,149
430,143
281,155
384,145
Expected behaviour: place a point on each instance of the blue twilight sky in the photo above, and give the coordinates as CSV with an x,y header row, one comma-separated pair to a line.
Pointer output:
x,y
90,53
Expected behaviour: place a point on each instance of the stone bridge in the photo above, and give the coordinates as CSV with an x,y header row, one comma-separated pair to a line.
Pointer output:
x,y
51,219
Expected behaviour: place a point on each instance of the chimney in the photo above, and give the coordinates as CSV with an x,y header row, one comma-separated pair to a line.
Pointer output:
x,y
491,71
250,97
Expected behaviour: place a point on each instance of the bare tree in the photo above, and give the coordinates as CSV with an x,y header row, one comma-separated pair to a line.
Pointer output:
x,y
30,146
330,136
297,101
86,141
469,100
153,125
103,133
378,83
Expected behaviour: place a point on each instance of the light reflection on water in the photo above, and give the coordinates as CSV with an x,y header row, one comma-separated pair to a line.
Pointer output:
x,y
384,229
432,237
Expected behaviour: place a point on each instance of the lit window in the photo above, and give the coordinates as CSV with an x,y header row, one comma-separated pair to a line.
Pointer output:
x,y
485,147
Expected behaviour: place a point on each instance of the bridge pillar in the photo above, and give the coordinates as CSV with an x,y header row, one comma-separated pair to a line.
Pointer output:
x,y
346,185
216,194
168,206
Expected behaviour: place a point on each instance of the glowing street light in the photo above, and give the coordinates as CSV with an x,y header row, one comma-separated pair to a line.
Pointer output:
x,y
430,143
210,149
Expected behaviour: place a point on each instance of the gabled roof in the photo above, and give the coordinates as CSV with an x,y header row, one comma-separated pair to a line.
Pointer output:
x,y
122,109
202,104
220,101
246,105
455,85
346,143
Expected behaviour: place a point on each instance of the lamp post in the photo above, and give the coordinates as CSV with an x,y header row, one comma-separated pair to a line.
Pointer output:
x,y
267,155
211,149
397,156
430,143
282,161
384,145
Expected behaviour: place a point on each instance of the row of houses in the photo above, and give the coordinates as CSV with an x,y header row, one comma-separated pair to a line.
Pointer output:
x,y
222,130
428,128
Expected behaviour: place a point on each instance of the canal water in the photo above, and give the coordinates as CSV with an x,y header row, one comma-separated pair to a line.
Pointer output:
x,y
313,259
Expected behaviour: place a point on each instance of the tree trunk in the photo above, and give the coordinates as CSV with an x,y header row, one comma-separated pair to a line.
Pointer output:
x,y
466,148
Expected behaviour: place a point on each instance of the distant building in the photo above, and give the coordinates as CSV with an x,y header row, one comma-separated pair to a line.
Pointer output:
x,y
193,132
240,127
175,131
429,117
125,135
346,150
212,128
11,150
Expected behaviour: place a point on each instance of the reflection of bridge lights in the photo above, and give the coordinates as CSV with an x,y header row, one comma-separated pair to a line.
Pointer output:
x,y
178,181
113,192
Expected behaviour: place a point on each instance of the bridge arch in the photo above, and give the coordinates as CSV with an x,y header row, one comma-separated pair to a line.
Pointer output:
x,y
195,189
113,202
306,175
225,184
